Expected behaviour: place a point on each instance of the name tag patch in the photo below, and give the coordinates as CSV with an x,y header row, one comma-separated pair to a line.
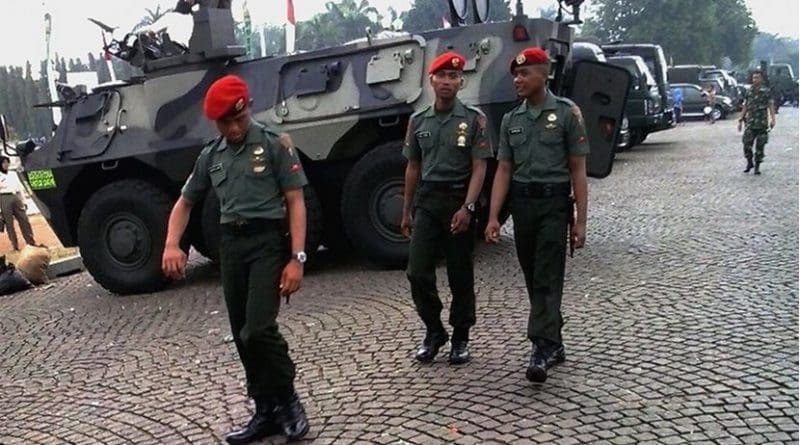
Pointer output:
x,y
215,168
515,130
423,134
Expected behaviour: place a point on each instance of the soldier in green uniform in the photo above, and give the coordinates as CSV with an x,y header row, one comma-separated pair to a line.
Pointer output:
x,y
757,115
446,146
542,157
253,172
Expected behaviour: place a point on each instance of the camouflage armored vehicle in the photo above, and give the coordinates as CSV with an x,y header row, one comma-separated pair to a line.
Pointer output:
x,y
107,179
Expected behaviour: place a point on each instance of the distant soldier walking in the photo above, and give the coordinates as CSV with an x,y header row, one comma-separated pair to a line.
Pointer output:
x,y
446,145
542,157
253,172
758,116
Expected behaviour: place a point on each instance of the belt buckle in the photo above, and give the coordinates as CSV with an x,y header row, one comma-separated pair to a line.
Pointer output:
x,y
547,190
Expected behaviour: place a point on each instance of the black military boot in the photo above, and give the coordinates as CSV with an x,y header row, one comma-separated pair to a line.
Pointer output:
x,y
545,355
459,347
434,339
749,165
291,417
262,424
757,171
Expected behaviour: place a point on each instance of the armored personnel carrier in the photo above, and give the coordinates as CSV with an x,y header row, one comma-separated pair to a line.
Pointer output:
x,y
107,179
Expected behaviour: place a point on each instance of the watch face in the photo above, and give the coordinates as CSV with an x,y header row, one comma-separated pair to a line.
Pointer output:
x,y
301,256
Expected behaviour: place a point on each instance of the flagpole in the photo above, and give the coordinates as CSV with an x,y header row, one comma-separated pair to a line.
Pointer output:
x,y
107,57
49,68
290,27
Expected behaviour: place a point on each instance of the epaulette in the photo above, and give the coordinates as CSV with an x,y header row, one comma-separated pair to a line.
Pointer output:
x,y
474,108
564,100
420,112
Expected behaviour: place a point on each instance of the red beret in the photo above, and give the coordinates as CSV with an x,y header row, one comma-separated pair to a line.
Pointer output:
x,y
529,56
226,95
450,60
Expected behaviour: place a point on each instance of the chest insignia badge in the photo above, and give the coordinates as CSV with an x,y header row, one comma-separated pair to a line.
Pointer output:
x,y
259,168
258,150
461,141
552,117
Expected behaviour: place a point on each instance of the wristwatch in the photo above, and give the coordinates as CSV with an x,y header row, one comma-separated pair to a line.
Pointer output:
x,y
300,256
470,206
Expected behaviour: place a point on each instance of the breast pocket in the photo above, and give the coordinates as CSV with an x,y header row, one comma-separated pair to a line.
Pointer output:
x,y
551,136
425,140
517,137
218,176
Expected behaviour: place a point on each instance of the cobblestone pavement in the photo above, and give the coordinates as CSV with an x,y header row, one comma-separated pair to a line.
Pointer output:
x,y
681,326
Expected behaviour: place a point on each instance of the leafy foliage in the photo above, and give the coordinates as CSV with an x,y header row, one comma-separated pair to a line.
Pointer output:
x,y
689,31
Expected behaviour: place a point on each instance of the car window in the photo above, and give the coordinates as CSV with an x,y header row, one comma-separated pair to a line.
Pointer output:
x,y
691,94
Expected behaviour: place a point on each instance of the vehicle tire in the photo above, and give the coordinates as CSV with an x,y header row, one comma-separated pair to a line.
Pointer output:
x,y
194,232
717,113
211,228
314,223
121,234
372,205
482,214
643,136
209,225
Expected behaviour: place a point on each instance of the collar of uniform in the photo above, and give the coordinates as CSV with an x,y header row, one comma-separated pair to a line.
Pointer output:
x,y
534,111
458,110
253,136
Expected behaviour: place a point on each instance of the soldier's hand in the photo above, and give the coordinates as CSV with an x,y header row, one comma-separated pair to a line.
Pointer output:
x,y
173,262
772,123
290,278
460,221
492,232
405,225
739,126
578,235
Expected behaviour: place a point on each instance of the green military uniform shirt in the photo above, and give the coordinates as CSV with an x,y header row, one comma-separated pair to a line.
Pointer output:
x,y
249,178
757,103
538,140
446,144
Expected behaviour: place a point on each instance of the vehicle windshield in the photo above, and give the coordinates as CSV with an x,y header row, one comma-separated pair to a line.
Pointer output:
x,y
637,67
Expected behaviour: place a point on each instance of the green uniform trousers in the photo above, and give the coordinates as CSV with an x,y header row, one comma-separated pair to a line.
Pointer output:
x,y
251,266
540,234
430,238
760,137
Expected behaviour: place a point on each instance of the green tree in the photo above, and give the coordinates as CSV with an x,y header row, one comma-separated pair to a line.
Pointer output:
x,y
341,22
427,14
775,49
689,31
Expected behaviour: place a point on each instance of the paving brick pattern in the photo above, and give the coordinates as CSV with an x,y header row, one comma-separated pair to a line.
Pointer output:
x,y
681,327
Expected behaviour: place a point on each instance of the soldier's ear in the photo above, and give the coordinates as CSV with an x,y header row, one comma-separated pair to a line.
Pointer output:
x,y
461,83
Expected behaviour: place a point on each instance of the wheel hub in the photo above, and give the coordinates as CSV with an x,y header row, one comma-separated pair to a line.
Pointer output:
x,y
386,209
127,240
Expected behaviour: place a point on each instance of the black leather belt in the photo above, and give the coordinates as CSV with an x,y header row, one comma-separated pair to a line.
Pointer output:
x,y
444,186
245,227
540,189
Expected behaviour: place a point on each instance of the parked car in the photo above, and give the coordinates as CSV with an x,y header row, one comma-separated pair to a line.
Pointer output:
x,y
643,107
694,101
